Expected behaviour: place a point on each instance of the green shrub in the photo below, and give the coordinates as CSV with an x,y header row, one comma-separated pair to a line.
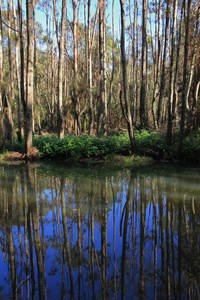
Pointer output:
x,y
150,140
78,147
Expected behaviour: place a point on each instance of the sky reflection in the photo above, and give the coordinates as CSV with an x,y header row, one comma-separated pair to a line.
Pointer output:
x,y
90,233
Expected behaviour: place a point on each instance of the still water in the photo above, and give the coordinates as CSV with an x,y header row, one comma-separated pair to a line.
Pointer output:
x,y
95,232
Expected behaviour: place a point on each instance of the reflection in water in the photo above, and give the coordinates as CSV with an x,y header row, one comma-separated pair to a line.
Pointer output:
x,y
89,234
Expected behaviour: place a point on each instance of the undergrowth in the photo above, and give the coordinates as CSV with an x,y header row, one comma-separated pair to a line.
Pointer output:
x,y
105,147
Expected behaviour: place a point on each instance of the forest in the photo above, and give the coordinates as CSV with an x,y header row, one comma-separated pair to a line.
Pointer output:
x,y
92,67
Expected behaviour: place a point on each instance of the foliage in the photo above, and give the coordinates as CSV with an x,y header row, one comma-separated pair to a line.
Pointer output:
x,y
114,147
79,147
151,140
15,146
191,147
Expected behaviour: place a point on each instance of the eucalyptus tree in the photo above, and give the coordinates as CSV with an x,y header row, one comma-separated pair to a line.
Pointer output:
x,y
157,60
36,71
127,111
102,71
77,121
60,71
60,118
22,87
91,113
172,73
1,73
113,54
191,105
7,90
184,90
143,91
91,36
11,86
163,75
17,61
29,80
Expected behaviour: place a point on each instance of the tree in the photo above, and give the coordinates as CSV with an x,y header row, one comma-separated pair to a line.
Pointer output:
x,y
102,62
29,81
60,71
163,75
143,91
77,120
172,74
90,48
184,91
127,111
17,36
1,73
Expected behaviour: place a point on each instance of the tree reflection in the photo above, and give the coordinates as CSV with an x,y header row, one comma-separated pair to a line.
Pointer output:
x,y
124,235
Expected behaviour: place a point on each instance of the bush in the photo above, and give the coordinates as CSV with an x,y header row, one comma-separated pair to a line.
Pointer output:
x,y
150,140
78,147
106,146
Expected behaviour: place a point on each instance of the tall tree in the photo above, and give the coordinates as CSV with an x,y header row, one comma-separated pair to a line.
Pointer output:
x,y
184,91
7,97
35,67
101,108
75,53
127,111
22,89
60,73
163,75
90,48
158,51
53,70
17,37
11,86
143,91
1,72
172,74
29,80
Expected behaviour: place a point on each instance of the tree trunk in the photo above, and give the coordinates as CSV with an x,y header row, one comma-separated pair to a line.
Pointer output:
x,y
172,71
22,88
11,85
136,61
127,112
90,47
53,71
101,108
163,77
113,54
1,74
60,70
29,80
175,94
143,92
104,70
184,91
157,62
19,133
77,124
91,112
35,74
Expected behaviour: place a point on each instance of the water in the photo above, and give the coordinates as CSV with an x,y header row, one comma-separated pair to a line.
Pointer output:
x,y
99,232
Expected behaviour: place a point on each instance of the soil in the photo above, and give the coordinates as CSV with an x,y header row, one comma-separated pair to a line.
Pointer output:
x,y
20,156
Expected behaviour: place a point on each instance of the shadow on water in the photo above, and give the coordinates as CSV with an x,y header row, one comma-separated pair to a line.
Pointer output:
x,y
99,233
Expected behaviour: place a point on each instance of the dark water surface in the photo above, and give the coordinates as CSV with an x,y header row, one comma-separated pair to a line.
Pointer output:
x,y
99,233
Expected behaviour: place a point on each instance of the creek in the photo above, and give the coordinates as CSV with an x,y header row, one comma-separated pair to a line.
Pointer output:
x,y
99,232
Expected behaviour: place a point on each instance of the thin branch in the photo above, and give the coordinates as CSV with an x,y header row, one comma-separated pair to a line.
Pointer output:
x,y
10,26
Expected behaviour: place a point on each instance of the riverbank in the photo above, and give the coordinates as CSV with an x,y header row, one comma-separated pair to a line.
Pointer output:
x,y
115,148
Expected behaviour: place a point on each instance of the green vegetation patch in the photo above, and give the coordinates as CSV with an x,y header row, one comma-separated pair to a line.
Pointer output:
x,y
79,147
112,147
